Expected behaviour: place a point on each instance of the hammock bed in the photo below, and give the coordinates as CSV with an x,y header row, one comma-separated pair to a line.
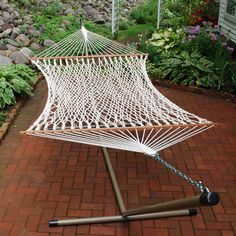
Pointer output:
x,y
99,93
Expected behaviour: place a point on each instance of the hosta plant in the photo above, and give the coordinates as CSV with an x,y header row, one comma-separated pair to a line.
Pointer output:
x,y
165,40
15,80
189,69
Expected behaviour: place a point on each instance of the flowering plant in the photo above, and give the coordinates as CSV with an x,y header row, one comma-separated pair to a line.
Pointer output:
x,y
207,10
211,43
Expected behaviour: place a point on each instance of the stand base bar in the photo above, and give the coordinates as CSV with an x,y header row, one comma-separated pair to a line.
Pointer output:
x,y
161,210
205,199
120,218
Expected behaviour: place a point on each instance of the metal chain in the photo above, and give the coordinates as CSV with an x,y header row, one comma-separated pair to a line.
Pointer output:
x,y
195,183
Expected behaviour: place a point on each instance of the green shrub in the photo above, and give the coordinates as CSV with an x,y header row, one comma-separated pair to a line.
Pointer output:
x,y
52,9
211,43
15,79
189,69
123,25
146,12
2,117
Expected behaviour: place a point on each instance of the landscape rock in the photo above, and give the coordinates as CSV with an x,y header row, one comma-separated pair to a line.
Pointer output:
x,y
2,45
6,53
90,11
19,58
42,29
11,47
5,60
66,22
48,42
28,53
69,11
99,19
23,40
5,26
12,42
34,32
15,32
35,46
7,17
7,32
88,2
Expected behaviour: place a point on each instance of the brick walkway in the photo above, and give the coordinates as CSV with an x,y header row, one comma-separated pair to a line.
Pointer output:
x,y
42,179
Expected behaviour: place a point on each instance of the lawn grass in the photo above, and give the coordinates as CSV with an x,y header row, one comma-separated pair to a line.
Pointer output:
x,y
131,34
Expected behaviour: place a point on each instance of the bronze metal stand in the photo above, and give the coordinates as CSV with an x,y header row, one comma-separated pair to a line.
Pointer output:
x,y
181,207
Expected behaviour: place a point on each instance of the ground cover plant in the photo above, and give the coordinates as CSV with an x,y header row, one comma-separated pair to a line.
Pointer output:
x,y
2,117
15,80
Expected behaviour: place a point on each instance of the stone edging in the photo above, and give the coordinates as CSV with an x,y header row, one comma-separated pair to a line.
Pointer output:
x,y
10,118
192,89
11,115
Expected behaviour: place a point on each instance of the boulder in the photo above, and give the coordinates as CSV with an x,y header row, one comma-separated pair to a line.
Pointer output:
x,y
15,32
5,60
42,29
66,22
11,47
2,45
34,32
7,32
89,11
7,17
12,42
16,14
6,53
35,46
88,2
17,22
99,19
4,5
5,26
69,11
48,42
28,53
19,58
23,40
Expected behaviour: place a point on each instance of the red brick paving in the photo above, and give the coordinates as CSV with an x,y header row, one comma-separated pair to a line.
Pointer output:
x,y
42,179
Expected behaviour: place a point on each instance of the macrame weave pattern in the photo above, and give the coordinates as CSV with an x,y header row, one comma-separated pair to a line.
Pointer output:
x,y
99,93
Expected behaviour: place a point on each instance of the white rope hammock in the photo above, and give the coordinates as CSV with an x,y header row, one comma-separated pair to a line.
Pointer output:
x,y
99,93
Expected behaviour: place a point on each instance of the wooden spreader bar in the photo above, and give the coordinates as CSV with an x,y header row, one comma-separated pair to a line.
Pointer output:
x,y
130,128
173,208
88,56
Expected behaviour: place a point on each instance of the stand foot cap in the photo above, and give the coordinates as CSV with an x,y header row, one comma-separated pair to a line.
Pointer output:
x,y
53,223
192,212
209,199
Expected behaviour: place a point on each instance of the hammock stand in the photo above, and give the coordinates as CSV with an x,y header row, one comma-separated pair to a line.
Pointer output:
x,y
99,93
173,208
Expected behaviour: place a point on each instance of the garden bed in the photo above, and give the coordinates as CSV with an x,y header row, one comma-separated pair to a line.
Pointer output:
x,y
13,111
193,89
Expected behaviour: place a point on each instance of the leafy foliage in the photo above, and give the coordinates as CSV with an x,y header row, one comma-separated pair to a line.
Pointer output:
x,y
166,39
2,117
15,79
189,69
146,12
213,44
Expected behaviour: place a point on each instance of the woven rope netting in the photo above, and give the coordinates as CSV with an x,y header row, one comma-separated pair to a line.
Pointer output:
x,y
99,93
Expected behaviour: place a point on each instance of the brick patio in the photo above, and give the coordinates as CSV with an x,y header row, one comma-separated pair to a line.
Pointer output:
x,y
42,179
